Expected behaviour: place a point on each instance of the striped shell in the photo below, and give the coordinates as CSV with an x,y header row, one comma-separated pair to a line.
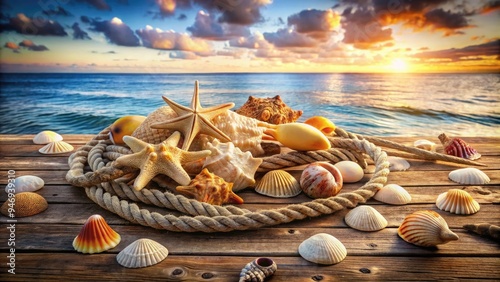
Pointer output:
x,y
425,145
321,180
393,194
365,218
426,229
323,248
458,148
47,136
278,184
56,147
258,270
457,201
469,176
142,253
25,183
26,204
96,236
397,163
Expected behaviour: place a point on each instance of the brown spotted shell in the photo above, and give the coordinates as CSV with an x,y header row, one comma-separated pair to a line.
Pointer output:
x,y
25,204
271,110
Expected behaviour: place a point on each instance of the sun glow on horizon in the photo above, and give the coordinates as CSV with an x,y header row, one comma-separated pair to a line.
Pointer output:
x,y
399,65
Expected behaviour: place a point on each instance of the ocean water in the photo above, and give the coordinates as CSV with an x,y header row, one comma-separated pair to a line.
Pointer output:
x,y
369,104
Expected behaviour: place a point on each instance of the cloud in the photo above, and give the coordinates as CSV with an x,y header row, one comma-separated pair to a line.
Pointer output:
x,y
206,26
288,37
58,11
185,55
13,46
362,29
28,44
116,32
85,19
78,33
490,7
315,23
447,21
39,26
98,4
254,41
168,7
241,12
473,51
171,40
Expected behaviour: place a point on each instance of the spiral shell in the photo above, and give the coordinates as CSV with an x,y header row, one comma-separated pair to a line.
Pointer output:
x,y
96,236
323,248
278,184
321,180
142,253
258,270
485,229
426,229
469,176
393,194
457,201
458,148
365,218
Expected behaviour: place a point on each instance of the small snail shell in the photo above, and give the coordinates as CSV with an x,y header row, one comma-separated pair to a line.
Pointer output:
x,y
321,180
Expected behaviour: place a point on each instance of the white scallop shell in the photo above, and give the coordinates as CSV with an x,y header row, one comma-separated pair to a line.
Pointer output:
x,y
142,253
351,171
457,201
278,184
46,136
230,163
56,147
323,248
26,183
426,228
397,163
469,175
393,194
365,218
425,145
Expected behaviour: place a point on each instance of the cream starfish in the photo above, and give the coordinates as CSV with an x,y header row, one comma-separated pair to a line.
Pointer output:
x,y
164,158
194,120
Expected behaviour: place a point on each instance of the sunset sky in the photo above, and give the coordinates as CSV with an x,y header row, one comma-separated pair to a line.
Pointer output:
x,y
186,36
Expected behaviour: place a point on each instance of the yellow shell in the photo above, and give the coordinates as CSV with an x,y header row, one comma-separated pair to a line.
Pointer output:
x,y
322,123
125,125
300,137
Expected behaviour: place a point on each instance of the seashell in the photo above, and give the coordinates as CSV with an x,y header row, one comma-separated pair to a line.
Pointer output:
x,y
299,136
152,135
210,188
321,180
323,248
469,176
457,201
458,148
425,145
96,236
397,163
56,147
365,218
46,136
351,171
393,194
271,110
142,253
426,229
258,270
25,183
322,123
230,163
25,204
485,229
125,125
278,184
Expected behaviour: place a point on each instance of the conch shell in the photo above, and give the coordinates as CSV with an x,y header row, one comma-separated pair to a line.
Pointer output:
x,y
271,110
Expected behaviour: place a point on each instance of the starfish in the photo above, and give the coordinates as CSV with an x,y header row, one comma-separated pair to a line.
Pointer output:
x,y
194,120
164,158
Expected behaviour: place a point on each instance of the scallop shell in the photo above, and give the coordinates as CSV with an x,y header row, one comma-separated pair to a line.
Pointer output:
x,y
96,236
397,163
351,171
272,110
56,147
393,194
458,148
230,163
365,218
310,139
258,270
469,176
25,183
425,145
426,229
321,180
278,184
25,204
142,253
46,136
323,248
457,201
323,124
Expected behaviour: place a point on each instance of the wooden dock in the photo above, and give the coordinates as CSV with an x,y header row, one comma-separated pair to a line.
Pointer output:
x,y
44,251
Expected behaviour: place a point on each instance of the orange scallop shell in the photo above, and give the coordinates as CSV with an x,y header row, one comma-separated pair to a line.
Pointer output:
x,y
96,236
